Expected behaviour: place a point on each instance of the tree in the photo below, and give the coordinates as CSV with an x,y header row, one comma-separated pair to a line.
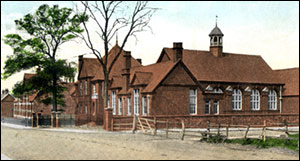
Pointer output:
x,y
109,22
48,28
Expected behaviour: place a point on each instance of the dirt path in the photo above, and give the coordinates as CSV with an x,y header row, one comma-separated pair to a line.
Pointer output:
x,y
36,144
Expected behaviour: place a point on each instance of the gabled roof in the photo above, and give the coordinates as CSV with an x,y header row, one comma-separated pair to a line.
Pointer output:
x,y
28,76
229,68
291,79
153,75
3,96
89,67
141,78
117,67
117,82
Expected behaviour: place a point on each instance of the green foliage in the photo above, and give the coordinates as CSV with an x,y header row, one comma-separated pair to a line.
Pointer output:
x,y
48,28
270,142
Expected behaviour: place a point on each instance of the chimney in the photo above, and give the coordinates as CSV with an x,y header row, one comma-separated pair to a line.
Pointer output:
x,y
177,47
5,91
80,61
139,60
126,70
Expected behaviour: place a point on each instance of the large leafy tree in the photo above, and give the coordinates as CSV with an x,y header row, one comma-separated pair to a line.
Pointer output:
x,y
47,28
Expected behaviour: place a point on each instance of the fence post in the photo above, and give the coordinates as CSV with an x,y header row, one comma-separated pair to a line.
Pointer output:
x,y
219,126
286,128
155,127
265,130
112,124
227,130
167,127
247,131
183,129
134,124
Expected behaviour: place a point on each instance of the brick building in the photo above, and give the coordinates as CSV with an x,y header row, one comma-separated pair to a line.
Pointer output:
x,y
7,104
28,105
189,84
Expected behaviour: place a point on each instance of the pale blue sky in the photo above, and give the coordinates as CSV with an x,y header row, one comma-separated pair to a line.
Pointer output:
x,y
269,29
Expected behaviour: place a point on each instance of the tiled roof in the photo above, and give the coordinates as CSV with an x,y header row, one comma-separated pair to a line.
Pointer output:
x,y
117,67
291,79
142,78
28,75
89,67
229,68
216,31
158,72
117,82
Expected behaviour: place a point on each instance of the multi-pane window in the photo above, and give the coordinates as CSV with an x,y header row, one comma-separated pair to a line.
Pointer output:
x,y
255,100
113,102
136,102
272,101
236,99
144,105
120,106
85,87
94,89
128,106
216,107
207,107
193,100
80,91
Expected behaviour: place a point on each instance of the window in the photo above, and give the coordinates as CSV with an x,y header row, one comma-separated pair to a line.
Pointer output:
x,y
216,107
207,106
136,102
80,90
108,101
236,99
255,100
193,100
113,102
128,106
85,108
85,87
272,100
94,90
120,106
144,105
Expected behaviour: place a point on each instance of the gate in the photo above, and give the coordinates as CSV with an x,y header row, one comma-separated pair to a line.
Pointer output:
x,y
44,120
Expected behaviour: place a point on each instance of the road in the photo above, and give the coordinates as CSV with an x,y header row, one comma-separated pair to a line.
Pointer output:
x,y
52,145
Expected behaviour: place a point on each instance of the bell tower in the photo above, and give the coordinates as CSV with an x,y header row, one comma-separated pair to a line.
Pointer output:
x,y
216,41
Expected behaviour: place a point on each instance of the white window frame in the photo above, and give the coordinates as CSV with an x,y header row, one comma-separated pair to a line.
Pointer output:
x,y
81,90
86,109
136,108
193,102
85,87
216,103
120,106
148,101
113,102
272,100
255,100
144,105
94,89
207,102
128,106
237,98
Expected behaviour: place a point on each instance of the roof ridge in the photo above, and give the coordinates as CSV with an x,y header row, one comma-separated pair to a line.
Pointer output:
x,y
286,69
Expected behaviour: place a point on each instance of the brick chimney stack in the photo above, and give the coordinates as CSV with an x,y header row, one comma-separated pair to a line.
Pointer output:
x,y
177,47
126,70
140,61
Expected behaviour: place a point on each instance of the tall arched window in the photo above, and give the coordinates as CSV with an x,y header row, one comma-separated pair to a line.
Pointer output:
x,y
255,100
236,99
272,100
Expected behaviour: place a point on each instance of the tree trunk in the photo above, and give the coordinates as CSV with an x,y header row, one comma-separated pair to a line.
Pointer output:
x,y
54,92
105,90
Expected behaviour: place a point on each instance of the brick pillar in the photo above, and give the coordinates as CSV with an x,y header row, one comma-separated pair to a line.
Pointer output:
x,y
108,119
58,119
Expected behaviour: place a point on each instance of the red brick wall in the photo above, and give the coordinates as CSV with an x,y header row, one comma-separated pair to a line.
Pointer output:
x,y
290,104
7,105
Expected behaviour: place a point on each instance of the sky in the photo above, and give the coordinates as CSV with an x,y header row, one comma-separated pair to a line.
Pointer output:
x,y
268,29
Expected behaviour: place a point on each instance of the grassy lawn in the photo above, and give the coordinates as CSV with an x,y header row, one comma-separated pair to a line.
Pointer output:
x,y
270,142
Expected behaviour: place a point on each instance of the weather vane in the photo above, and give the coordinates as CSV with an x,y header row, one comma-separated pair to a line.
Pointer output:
x,y
216,19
